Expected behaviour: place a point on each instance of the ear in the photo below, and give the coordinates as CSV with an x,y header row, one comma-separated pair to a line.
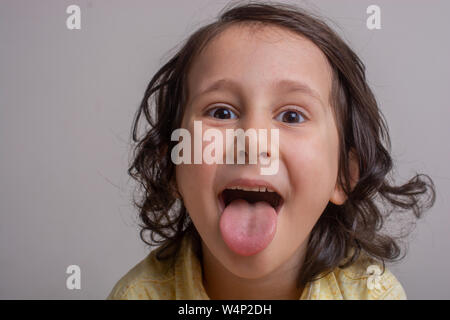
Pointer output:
x,y
338,196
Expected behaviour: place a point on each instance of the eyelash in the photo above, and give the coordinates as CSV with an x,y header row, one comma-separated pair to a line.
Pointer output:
x,y
217,107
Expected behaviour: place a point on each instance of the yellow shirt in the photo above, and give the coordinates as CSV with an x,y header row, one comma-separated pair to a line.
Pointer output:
x,y
156,280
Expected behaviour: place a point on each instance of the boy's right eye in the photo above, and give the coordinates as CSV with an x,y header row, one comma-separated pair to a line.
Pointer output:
x,y
222,113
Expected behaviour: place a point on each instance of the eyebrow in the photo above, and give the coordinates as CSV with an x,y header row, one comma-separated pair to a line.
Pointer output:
x,y
286,84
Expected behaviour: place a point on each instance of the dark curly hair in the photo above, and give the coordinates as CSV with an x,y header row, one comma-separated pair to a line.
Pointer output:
x,y
353,227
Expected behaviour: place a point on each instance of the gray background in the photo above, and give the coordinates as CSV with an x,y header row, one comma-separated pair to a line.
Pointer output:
x,y
67,100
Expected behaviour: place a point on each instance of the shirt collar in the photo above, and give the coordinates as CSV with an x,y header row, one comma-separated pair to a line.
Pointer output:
x,y
189,279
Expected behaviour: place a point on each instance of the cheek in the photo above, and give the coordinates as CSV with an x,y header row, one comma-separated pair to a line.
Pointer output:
x,y
311,163
195,183
195,186
311,167
193,178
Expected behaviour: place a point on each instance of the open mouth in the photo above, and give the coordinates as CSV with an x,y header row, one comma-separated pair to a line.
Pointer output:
x,y
251,196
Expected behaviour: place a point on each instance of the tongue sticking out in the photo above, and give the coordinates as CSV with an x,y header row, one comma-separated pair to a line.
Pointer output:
x,y
248,228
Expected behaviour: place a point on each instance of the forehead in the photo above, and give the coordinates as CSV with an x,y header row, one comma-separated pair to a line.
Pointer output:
x,y
258,57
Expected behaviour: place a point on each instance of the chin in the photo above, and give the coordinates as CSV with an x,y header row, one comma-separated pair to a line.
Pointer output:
x,y
253,267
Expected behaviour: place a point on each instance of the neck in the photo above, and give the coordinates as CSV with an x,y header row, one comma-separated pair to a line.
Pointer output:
x,y
280,284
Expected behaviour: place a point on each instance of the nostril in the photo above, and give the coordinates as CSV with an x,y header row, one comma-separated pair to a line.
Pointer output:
x,y
264,158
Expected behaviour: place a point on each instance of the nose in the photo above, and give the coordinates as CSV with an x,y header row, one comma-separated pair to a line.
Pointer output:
x,y
254,148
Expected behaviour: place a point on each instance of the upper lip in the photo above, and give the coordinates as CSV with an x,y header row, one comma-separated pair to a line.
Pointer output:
x,y
250,183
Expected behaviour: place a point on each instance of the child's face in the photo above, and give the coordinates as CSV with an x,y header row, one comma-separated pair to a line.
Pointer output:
x,y
308,144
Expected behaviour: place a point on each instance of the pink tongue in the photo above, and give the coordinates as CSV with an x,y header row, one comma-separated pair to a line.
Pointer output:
x,y
248,228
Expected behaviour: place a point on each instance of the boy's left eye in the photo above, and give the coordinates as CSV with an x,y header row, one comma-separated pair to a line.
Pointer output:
x,y
290,116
